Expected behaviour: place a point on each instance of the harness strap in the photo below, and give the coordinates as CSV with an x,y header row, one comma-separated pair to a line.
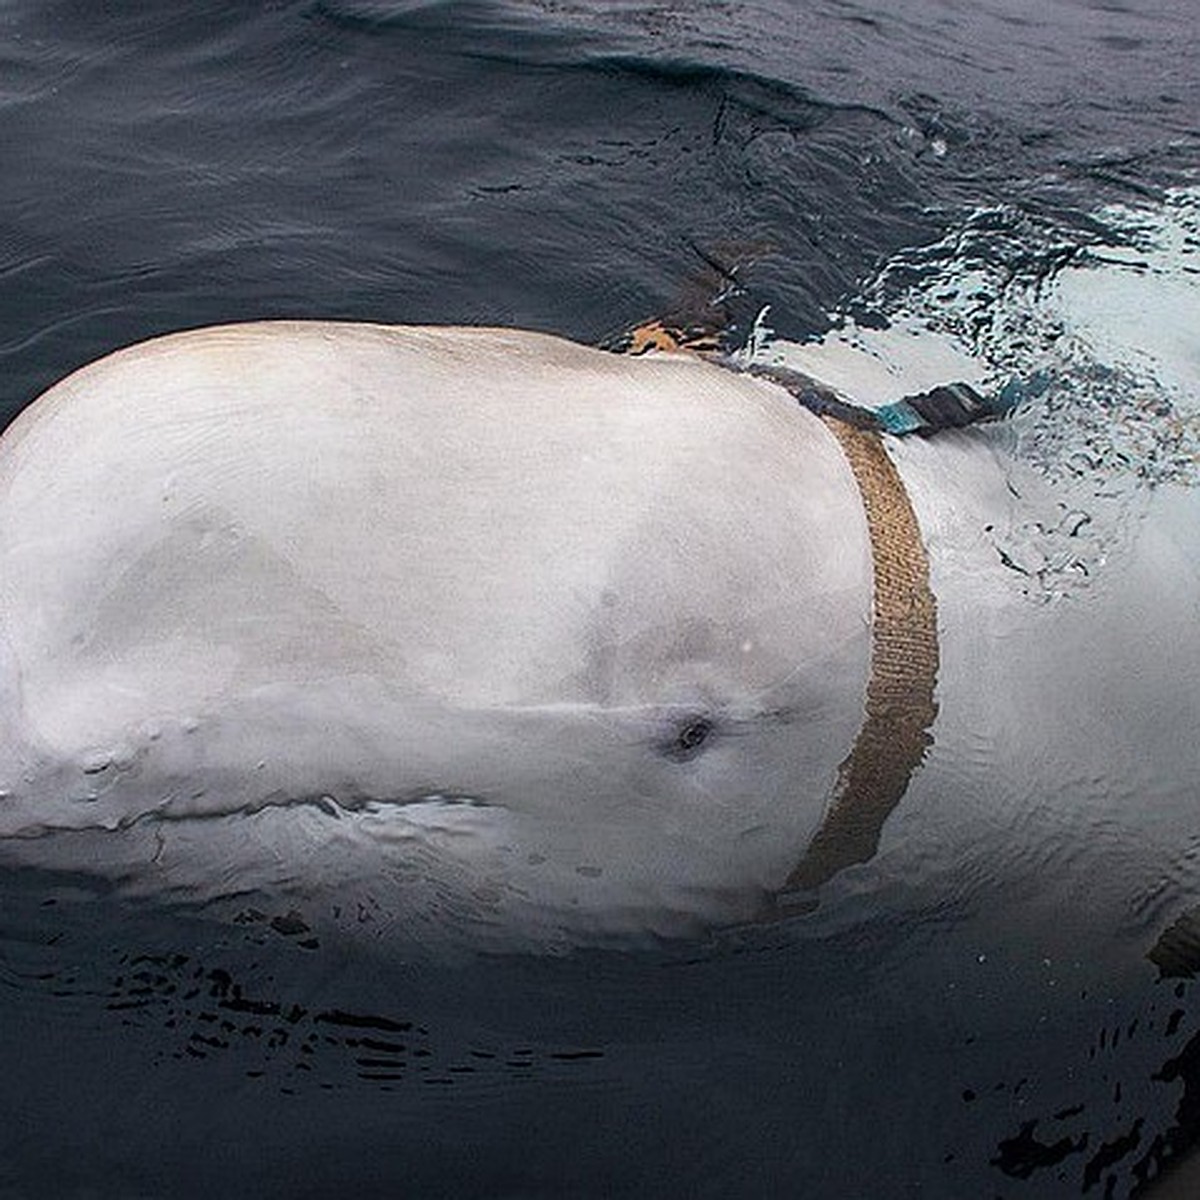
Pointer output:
x,y
900,706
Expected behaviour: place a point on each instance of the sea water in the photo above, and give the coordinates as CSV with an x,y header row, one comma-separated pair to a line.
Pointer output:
x,y
999,191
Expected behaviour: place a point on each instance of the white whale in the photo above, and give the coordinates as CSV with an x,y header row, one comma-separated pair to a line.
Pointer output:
x,y
428,628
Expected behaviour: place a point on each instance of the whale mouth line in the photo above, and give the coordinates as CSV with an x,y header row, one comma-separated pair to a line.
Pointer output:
x,y
325,802
439,799
334,805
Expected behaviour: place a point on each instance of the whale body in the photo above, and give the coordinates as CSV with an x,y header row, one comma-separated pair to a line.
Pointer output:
x,y
488,630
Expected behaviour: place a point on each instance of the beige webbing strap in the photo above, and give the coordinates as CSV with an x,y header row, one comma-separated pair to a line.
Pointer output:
x,y
900,707
900,704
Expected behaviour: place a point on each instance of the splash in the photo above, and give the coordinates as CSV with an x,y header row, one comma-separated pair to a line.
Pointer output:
x,y
1096,323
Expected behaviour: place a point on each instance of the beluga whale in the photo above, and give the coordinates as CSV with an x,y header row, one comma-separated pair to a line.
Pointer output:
x,y
487,635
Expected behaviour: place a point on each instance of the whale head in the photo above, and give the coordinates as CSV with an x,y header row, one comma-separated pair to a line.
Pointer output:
x,y
472,622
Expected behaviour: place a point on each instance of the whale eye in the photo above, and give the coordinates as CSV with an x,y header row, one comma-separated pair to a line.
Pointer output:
x,y
690,738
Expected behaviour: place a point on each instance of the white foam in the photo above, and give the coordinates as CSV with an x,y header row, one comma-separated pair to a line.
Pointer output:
x,y
1107,326
873,367
1138,307
1131,305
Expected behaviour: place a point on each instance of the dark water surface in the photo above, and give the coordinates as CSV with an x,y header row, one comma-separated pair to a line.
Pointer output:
x,y
555,166
570,167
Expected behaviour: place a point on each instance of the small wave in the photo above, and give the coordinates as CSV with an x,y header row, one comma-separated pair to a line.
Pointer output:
x,y
382,13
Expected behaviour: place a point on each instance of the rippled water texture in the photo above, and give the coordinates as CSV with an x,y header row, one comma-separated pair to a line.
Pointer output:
x,y
555,166
1000,1004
